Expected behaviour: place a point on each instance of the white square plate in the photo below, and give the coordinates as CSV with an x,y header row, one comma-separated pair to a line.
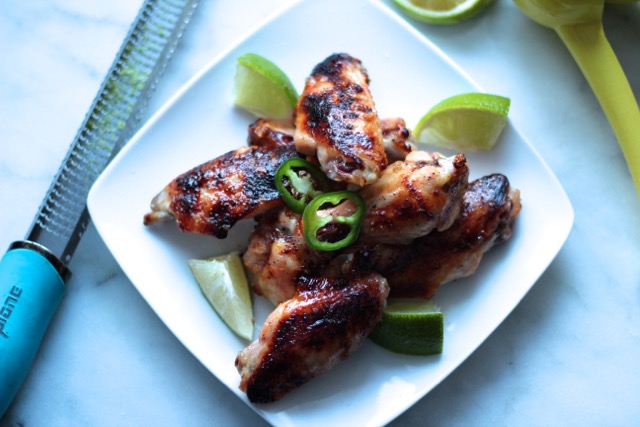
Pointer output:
x,y
409,75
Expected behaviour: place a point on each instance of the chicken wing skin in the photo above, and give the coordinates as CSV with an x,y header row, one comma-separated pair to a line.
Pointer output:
x,y
413,197
210,198
336,119
269,134
326,321
277,255
395,138
489,209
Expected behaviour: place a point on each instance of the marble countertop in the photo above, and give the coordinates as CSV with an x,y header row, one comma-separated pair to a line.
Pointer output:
x,y
569,354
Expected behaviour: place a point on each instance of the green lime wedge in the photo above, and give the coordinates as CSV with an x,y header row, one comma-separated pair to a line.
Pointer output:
x,y
263,89
442,11
466,122
410,327
224,283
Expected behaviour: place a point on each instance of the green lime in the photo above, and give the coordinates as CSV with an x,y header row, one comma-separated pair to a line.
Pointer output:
x,y
264,89
466,122
410,327
224,283
442,11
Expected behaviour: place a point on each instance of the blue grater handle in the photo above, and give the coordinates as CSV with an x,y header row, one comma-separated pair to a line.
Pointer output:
x,y
31,288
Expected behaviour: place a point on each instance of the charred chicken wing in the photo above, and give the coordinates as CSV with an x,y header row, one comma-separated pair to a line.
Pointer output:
x,y
211,198
336,120
489,209
413,197
321,325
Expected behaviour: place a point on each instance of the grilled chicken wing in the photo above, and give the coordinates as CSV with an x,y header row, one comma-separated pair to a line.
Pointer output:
x,y
336,119
323,324
211,198
269,134
489,209
277,255
413,197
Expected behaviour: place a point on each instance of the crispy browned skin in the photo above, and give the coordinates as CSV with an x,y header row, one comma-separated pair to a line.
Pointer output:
x,y
323,324
269,134
395,138
413,197
277,255
489,210
211,198
336,119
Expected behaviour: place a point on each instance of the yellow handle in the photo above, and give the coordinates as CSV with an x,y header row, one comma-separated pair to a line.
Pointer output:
x,y
592,51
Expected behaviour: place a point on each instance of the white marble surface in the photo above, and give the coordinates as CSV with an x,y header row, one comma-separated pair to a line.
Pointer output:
x,y
568,355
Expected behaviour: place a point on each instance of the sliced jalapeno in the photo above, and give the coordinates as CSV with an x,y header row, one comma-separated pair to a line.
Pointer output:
x,y
333,220
299,181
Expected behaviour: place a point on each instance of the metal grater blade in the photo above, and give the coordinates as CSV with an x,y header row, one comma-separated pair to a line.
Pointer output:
x,y
114,117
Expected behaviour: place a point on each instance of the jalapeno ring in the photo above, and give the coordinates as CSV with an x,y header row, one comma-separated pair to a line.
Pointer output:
x,y
313,221
299,181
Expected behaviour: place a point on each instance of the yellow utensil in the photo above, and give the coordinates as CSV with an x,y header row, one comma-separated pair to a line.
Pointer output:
x,y
579,25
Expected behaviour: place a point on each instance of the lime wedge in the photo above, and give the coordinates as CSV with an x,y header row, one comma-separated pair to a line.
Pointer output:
x,y
466,122
263,89
442,11
410,327
224,283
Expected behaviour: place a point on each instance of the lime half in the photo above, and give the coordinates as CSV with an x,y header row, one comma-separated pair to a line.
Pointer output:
x,y
224,283
466,122
410,327
442,11
263,89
